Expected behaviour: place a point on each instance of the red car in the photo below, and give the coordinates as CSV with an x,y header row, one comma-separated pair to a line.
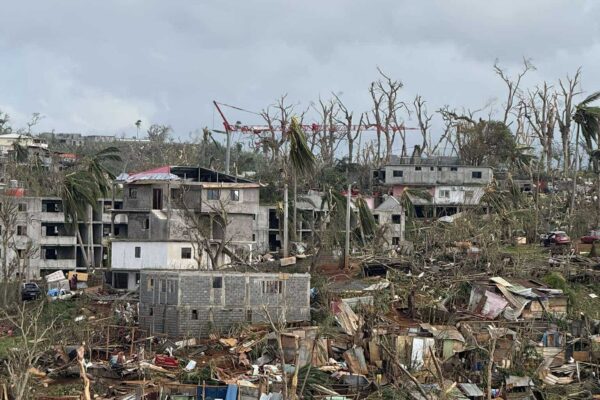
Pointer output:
x,y
591,237
556,238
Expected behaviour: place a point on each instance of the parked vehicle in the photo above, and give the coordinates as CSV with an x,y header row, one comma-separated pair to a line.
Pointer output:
x,y
555,238
591,237
30,291
59,294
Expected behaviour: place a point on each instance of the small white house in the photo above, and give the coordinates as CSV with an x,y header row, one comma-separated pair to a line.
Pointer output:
x,y
128,258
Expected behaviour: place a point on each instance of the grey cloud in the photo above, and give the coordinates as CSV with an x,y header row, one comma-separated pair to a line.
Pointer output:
x,y
99,66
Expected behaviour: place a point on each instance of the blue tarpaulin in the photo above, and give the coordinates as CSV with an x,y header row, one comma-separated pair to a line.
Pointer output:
x,y
232,391
212,392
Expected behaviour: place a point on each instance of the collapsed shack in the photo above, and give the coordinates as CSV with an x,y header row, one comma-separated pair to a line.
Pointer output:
x,y
379,336
518,299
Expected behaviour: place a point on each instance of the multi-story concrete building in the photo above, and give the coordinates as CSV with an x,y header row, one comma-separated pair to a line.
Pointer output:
x,y
77,139
391,214
176,215
194,303
387,212
40,225
452,186
100,138
67,139
270,229
8,141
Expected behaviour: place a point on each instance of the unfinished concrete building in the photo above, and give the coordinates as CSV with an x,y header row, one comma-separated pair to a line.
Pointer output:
x,y
452,185
195,303
176,215
52,243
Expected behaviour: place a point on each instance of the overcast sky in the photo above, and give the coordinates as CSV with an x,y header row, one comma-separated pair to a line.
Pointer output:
x,y
98,66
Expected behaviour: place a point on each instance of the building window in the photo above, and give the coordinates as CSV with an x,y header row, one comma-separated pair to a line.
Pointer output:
x,y
376,217
469,195
133,193
271,287
21,230
163,285
249,315
253,237
146,224
186,253
417,168
395,241
213,194
444,194
137,278
151,313
120,280
396,219
234,195
50,254
22,207
194,314
439,168
170,285
476,174
217,282
138,252
453,169
398,173
150,283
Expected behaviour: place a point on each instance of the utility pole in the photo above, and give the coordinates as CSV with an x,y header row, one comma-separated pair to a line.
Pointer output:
x,y
285,221
347,247
228,133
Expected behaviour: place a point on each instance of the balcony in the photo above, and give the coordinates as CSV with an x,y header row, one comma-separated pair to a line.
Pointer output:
x,y
58,240
51,217
120,219
58,264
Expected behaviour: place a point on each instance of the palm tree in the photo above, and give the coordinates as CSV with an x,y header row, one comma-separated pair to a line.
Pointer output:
x,y
138,124
300,159
587,119
81,189
20,151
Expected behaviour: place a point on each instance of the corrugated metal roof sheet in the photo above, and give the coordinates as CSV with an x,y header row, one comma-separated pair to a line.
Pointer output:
x,y
471,389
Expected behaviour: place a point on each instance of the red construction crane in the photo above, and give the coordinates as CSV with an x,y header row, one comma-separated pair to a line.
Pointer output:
x,y
309,128
314,127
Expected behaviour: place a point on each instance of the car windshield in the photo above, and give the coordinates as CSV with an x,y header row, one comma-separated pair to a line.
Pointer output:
x,y
30,286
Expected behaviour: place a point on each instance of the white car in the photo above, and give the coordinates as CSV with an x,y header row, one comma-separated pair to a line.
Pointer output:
x,y
61,294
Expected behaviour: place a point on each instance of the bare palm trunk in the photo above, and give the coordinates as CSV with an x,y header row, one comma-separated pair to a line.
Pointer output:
x,y
575,168
90,239
490,368
598,195
295,210
81,247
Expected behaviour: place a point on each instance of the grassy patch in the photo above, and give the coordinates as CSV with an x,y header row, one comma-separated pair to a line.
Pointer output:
x,y
7,343
532,250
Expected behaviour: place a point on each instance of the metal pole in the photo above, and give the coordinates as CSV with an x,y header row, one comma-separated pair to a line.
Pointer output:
x,y
347,247
227,151
285,221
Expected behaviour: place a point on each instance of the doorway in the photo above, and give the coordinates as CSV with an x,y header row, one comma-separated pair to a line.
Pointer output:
x,y
157,199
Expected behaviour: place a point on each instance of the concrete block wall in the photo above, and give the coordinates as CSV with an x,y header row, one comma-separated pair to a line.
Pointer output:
x,y
194,304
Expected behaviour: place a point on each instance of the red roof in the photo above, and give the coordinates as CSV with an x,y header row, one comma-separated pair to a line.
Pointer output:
x,y
15,192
